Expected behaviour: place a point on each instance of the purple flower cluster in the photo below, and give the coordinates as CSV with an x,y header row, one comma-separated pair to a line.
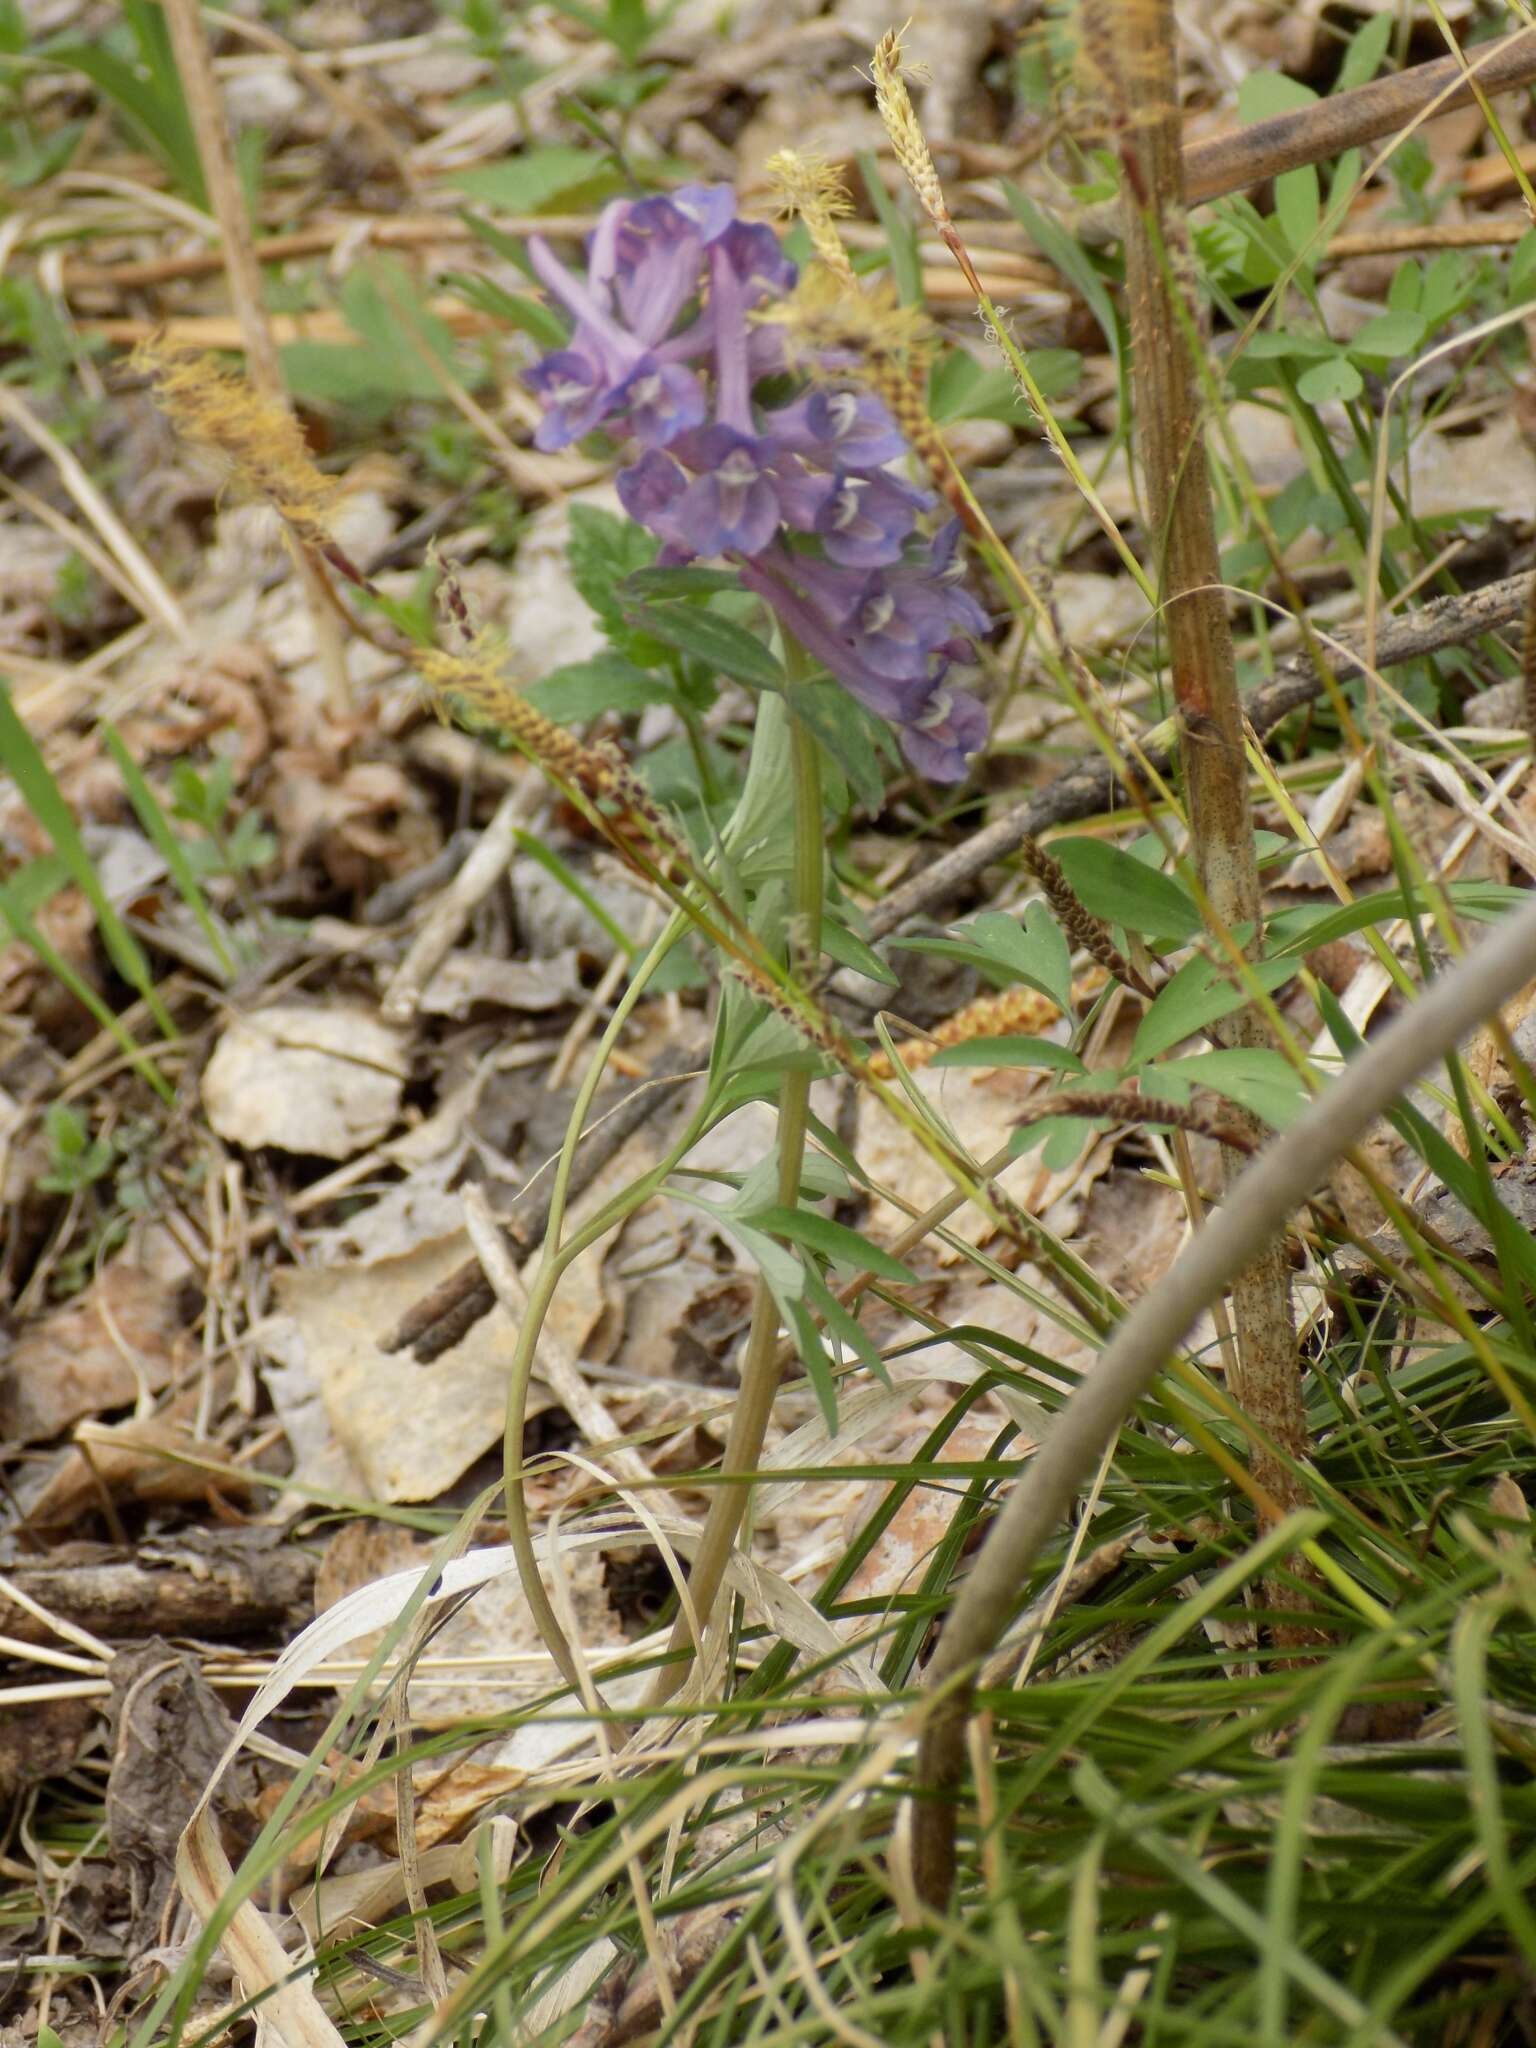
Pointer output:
x,y
664,351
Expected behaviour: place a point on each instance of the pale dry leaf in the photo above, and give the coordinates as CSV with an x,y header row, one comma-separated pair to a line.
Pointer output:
x,y
407,1430
354,1902
981,1107
319,1080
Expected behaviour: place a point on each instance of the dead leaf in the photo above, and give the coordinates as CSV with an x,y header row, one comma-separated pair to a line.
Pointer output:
x,y
169,1735
487,1657
112,1343
304,1078
407,1431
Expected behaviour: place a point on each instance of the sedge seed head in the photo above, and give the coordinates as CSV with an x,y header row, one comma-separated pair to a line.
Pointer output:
x,y
259,442
887,70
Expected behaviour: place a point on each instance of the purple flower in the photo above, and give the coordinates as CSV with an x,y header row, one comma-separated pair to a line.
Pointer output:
x,y
848,430
665,350
937,727
866,518
953,727
577,390
732,503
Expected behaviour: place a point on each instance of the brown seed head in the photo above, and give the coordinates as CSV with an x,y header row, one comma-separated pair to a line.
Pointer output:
x,y
260,442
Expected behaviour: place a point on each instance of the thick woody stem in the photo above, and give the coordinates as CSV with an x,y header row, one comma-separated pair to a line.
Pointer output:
x,y
1132,42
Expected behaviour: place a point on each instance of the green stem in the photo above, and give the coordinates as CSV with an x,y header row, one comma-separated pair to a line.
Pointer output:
x,y
759,1366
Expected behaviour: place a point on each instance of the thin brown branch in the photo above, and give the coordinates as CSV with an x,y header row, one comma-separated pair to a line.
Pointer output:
x,y
1090,787
227,196
1310,135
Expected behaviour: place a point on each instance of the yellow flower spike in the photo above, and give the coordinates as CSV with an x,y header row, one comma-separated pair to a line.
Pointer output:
x,y
261,443
811,187
871,323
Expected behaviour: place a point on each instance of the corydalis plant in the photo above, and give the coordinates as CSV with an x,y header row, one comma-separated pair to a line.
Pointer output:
x,y
673,331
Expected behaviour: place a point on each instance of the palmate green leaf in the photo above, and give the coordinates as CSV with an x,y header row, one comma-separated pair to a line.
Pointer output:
x,y
1125,891
1253,1076
834,1241
1335,380
585,689
1199,994
719,642
603,551
540,179
1031,948
1010,1052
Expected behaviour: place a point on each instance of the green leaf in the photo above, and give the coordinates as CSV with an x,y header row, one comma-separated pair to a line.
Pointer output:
x,y
849,950
1033,950
146,94
1363,56
385,307
1065,253
1299,208
1302,930
1060,1139
1520,279
963,388
1199,994
847,1328
1263,94
603,551
834,1241
516,309
900,235
585,689
1125,891
23,761
1335,379
1396,333
811,1348
686,581
168,845
1010,1052
1290,348
533,182
718,642
853,737
1254,1076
